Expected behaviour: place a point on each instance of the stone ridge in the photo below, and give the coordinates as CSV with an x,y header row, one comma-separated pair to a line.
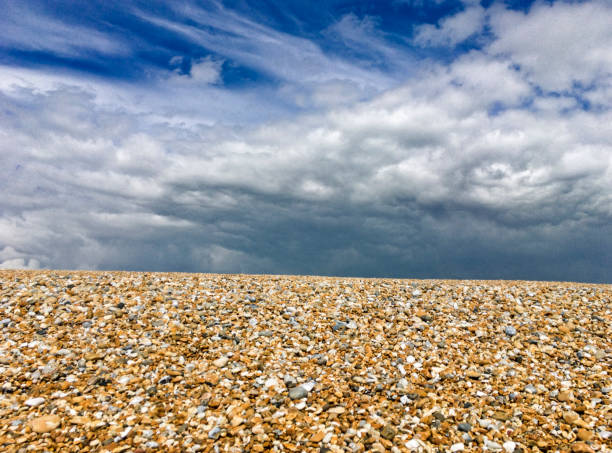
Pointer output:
x,y
138,362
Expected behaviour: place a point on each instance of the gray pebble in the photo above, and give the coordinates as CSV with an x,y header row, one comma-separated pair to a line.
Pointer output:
x,y
464,427
339,325
214,433
299,392
510,331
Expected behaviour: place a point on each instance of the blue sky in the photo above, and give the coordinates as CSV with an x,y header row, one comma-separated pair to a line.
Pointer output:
x,y
401,138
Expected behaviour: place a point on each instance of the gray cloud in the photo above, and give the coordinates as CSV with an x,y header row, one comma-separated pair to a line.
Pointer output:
x,y
465,171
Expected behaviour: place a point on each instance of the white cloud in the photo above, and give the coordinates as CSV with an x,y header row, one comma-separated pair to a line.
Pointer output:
x,y
452,30
20,263
24,28
558,45
203,71
287,58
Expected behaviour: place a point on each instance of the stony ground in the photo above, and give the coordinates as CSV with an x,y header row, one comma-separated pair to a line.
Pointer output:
x,y
140,362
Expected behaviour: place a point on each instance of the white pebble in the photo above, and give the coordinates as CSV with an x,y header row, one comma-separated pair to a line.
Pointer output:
x,y
413,445
509,446
34,402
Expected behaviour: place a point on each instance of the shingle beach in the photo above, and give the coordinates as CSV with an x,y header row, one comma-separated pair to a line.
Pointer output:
x,y
139,362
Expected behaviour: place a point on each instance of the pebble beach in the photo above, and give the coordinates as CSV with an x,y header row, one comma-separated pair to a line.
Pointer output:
x,y
143,362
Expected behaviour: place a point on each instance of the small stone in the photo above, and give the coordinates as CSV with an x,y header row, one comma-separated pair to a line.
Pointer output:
x,y
388,432
413,445
501,416
124,380
457,447
530,388
211,378
484,423
80,420
493,446
237,421
605,434
289,381
299,392
464,427
221,362
510,331
337,410
258,429
34,402
339,325
584,435
438,416
572,418
564,396
165,380
437,439
318,436
581,447
352,325
45,423
214,433
509,446
473,374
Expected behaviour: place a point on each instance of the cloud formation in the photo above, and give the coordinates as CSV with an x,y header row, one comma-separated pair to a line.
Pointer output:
x,y
452,30
490,166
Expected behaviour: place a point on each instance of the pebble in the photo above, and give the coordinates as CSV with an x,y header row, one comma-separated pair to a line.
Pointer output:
x,y
510,331
124,361
221,362
45,423
413,445
337,410
214,433
34,402
492,446
296,393
509,446
464,427
289,381
581,447
530,388
388,432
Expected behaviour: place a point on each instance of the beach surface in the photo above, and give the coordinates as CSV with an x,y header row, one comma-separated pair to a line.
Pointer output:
x,y
139,362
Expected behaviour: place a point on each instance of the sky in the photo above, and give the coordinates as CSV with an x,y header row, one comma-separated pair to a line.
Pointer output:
x,y
457,139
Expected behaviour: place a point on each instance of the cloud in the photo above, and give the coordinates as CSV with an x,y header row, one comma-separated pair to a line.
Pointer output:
x,y
558,46
28,29
362,38
452,30
281,56
9,259
201,71
466,170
